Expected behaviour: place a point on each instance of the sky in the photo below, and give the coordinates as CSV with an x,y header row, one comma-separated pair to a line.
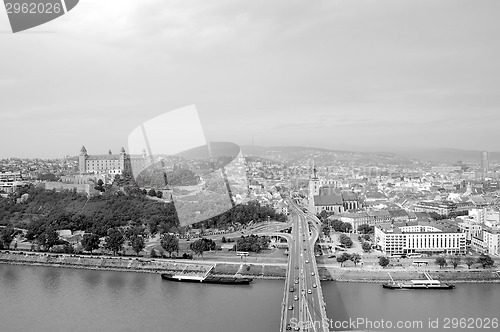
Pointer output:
x,y
366,75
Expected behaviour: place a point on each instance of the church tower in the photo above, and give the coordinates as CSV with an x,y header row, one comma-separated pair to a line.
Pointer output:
x,y
313,189
82,160
314,183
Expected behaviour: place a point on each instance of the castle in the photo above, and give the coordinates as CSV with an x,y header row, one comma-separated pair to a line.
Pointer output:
x,y
109,163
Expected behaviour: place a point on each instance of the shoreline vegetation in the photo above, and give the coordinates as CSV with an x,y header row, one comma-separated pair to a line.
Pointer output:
x,y
254,270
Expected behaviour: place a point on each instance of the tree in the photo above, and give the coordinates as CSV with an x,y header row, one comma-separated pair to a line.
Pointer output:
x,y
152,192
137,243
337,225
198,247
365,229
223,239
7,235
48,238
343,258
326,230
90,242
441,261
355,258
346,227
485,261
345,240
455,260
153,253
170,243
469,261
383,261
366,246
114,241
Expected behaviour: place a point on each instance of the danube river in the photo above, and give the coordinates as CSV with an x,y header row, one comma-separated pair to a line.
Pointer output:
x,y
59,299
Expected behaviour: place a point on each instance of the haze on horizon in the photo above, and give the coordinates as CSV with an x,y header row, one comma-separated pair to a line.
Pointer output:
x,y
350,75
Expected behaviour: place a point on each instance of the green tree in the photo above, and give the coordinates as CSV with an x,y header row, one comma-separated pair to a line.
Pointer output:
x,y
469,261
48,238
152,192
326,230
486,261
383,261
441,261
7,235
365,229
455,260
366,246
337,225
198,247
137,243
114,241
345,240
355,258
90,242
153,253
343,258
170,243
202,245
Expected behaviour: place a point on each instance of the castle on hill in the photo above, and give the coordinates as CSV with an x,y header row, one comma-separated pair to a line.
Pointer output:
x,y
109,163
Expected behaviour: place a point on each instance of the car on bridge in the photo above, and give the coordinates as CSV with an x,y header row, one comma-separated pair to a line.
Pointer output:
x,y
290,307
292,289
314,285
309,291
296,297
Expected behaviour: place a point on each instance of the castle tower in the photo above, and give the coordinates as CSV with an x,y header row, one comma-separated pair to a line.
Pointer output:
x,y
122,159
82,160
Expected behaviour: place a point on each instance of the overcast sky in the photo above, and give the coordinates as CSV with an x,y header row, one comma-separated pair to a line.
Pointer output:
x,y
364,75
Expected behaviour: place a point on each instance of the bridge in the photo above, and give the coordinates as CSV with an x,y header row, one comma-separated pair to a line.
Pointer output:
x,y
303,308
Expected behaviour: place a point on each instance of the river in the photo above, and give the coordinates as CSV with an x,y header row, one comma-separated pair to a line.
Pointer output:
x,y
61,299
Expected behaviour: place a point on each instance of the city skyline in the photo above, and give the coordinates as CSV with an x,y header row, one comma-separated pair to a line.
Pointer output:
x,y
330,75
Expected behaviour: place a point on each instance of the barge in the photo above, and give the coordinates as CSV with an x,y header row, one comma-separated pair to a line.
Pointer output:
x,y
428,283
207,279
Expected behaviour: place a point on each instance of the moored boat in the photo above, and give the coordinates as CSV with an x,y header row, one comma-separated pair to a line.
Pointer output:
x,y
207,279
428,283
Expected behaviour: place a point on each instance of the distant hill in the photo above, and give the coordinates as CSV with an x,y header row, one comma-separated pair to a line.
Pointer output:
x,y
217,149
448,155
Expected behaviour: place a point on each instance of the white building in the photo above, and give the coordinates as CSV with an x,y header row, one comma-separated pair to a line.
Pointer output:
x,y
419,237
10,181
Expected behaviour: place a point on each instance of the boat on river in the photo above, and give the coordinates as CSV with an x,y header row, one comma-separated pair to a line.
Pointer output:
x,y
428,283
207,279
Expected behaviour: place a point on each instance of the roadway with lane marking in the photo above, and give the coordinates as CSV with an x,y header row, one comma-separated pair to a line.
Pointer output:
x,y
304,307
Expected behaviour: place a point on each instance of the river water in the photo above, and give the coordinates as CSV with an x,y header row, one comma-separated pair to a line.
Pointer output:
x,y
60,299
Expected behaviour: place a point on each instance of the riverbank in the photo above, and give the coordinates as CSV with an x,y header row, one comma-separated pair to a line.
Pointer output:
x,y
243,269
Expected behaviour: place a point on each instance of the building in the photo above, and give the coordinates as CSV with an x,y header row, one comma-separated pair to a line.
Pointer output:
x,y
471,229
419,237
10,181
109,163
443,208
491,239
330,198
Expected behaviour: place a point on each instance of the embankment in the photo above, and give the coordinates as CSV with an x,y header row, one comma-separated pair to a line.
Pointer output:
x,y
253,270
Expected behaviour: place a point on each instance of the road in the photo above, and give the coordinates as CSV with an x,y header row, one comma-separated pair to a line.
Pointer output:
x,y
303,304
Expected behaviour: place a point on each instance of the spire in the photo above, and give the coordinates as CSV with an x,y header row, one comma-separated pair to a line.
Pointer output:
x,y
109,152
122,150
83,150
314,172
